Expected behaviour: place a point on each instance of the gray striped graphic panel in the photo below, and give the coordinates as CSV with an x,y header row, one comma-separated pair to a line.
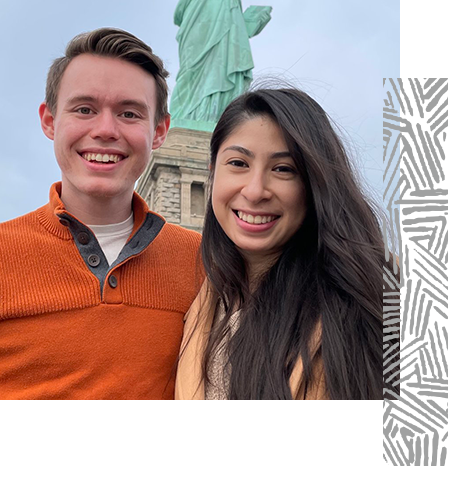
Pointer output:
x,y
415,124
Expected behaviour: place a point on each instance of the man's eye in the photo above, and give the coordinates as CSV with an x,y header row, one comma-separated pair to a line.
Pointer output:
x,y
129,115
84,110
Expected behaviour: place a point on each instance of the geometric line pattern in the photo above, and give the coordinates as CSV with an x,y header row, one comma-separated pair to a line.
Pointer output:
x,y
415,419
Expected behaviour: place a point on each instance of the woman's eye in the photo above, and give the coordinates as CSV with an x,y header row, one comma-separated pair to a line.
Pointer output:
x,y
84,110
237,163
284,169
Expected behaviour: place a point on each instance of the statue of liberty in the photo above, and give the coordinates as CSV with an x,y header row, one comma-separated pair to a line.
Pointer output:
x,y
215,58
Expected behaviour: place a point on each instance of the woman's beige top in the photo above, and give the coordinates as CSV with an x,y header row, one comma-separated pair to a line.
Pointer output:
x,y
189,382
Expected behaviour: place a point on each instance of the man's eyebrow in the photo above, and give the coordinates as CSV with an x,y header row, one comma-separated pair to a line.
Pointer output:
x,y
123,103
81,98
249,153
134,103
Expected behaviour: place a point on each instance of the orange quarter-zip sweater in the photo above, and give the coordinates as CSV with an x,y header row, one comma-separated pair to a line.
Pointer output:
x,y
73,327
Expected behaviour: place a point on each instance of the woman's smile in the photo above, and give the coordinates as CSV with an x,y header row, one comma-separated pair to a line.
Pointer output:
x,y
255,223
258,196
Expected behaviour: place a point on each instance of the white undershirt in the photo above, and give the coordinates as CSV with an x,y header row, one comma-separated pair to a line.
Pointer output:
x,y
112,238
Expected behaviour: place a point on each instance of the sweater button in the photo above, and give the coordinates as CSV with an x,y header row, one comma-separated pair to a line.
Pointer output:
x,y
64,221
94,260
83,238
112,280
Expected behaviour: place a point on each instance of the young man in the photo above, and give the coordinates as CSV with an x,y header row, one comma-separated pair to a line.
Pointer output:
x,y
94,286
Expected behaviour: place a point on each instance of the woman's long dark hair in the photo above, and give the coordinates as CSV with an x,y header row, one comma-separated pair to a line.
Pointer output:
x,y
329,274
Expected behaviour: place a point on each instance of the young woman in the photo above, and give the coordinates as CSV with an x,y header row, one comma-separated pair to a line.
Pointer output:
x,y
293,252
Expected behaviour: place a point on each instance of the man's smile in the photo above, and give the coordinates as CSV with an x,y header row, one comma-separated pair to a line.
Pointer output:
x,y
102,158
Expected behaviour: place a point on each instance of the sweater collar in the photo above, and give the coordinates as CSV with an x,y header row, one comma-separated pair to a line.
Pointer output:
x,y
52,215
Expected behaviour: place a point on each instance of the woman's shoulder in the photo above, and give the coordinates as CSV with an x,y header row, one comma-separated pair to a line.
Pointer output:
x,y
201,301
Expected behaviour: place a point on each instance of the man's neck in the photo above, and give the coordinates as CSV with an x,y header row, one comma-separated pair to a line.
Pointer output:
x,y
98,210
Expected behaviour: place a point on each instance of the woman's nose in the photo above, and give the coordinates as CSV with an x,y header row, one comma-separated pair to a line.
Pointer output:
x,y
256,188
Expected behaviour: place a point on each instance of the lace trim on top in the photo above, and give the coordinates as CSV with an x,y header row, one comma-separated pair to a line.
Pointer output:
x,y
219,371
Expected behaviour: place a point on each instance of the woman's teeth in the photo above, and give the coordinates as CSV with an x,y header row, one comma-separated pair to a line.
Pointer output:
x,y
98,157
257,219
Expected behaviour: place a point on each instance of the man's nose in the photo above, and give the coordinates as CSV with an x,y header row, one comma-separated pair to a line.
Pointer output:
x,y
105,126
257,187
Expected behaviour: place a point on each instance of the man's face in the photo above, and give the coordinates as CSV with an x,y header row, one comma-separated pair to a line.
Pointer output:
x,y
104,128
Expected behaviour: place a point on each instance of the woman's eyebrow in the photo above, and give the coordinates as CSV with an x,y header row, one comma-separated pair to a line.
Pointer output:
x,y
249,153
280,155
240,149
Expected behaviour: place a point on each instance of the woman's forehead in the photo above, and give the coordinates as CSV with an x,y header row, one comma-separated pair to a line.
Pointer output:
x,y
260,130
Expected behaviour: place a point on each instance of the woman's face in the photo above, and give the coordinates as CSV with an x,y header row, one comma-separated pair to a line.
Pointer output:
x,y
257,195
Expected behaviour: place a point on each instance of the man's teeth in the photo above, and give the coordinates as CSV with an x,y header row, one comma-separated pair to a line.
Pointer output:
x,y
98,157
257,219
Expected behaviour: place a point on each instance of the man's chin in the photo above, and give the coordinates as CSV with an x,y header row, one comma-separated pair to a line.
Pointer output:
x,y
102,190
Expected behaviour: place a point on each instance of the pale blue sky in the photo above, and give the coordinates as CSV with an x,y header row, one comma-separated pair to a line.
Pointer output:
x,y
337,51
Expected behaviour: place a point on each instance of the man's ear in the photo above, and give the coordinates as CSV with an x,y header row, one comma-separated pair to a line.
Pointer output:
x,y
47,121
161,132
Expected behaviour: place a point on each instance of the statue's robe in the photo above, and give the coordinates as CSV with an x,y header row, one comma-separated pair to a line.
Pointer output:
x,y
215,57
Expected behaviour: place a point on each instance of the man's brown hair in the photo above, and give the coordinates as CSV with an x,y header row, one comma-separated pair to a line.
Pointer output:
x,y
115,43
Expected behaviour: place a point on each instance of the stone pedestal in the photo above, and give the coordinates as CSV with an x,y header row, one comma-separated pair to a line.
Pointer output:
x,y
174,183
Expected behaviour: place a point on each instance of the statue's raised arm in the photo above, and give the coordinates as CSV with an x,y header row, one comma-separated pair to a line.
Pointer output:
x,y
215,58
179,12
256,18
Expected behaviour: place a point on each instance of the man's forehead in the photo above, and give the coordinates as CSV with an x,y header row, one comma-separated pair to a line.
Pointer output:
x,y
88,69
98,78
